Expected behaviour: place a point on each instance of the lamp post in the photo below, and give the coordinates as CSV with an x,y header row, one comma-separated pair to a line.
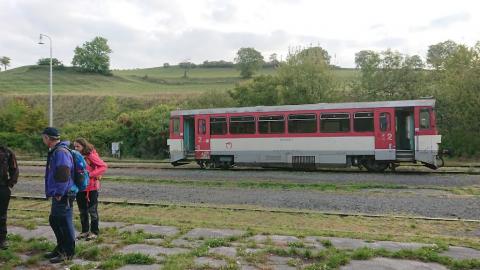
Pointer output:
x,y
51,86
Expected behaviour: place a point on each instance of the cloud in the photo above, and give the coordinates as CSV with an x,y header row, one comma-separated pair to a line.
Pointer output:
x,y
146,33
444,22
222,11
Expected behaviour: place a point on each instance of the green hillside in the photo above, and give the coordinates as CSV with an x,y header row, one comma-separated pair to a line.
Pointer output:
x,y
29,80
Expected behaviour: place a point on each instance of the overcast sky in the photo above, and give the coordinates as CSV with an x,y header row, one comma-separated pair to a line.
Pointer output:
x,y
148,33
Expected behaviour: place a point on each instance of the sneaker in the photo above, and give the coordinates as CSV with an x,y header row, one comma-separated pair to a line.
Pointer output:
x,y
91,236
58,259
50,255
83,235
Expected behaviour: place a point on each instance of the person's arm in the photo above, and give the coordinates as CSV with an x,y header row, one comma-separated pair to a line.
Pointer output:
x,y
98,165
13,170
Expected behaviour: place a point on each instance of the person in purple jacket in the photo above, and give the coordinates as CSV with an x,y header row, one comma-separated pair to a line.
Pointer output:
x,y
58,181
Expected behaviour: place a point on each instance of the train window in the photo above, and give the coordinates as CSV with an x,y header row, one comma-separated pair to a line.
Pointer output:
x,y
302,123
176,125
242,125
363,121
202,127
218,125
335,122
271,124
385,121
425,119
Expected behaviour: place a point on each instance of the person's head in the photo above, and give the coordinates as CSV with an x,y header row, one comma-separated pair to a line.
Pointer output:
x,y
50,136
83,146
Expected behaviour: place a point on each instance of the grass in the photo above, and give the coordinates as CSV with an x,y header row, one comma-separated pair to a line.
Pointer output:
x,y
257,184
258,222
118,260
441,233
34,80
29,80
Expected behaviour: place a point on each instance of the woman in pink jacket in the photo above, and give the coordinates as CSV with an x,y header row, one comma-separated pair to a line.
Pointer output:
x,y
87,200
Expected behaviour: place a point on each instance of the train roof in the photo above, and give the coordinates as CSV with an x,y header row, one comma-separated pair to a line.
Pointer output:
x,y
306,107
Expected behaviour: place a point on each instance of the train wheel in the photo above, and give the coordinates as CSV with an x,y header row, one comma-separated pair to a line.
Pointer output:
x,y
375,165
440,161
226,165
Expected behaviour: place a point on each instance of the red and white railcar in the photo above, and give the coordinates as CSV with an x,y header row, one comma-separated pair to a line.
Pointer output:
x,y
375,135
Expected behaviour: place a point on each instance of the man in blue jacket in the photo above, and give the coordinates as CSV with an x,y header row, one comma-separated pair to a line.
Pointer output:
x,y
58,181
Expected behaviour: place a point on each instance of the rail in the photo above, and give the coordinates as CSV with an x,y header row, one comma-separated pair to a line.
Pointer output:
x,y
281,211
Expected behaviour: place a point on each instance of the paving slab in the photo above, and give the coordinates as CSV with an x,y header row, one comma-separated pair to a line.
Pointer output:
x,y
40,231
280,240
212,233
140,267
152,229
283,267
396,246
252,250
206,261
248,267
344,243
83,262
278,260
224,251
391,264
173,251
155,241
461,253
186,243
109,224
143,249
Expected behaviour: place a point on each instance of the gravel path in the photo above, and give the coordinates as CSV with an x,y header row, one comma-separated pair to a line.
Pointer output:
x,y
425,179
378,202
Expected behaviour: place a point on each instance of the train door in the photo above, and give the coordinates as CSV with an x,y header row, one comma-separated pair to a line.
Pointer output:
x,y
405,134
202,137
426,137
189,134
384,123
175,141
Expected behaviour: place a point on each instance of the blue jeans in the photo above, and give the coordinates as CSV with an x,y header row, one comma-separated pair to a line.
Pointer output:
x,y
62,225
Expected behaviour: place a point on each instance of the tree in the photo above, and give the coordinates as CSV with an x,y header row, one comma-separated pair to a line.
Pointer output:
x,y
186,66
438,53
18,116
166,65
5,61
367,59
306,77
317,53
93,56
458,88
273,60
46,62
263,90
248,61
415,61
389,75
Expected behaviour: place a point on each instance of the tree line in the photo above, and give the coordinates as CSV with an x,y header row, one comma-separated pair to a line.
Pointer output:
x,y
450,73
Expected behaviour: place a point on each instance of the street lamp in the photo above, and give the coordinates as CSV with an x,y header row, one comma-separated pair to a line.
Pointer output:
x,y
51,87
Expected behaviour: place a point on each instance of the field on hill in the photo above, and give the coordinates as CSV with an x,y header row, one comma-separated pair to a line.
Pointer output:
x,y
30,80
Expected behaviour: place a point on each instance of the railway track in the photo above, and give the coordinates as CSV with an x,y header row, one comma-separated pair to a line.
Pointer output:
x,y
411,169
294,212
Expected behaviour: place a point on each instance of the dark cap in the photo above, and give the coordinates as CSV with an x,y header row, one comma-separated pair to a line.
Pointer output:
x,y
51,132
